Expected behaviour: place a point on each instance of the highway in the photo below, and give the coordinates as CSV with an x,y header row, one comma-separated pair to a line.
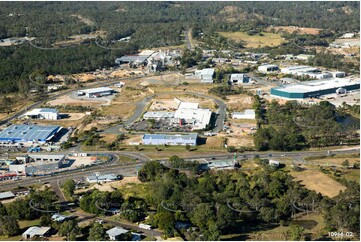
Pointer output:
x,y
130,169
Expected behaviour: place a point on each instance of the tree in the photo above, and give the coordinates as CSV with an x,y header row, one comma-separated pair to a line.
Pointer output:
x,y
345,164
45,220
201,215
69,187
188,147
97,232
164,220
9,226
3,211
295,232
70,229
231,149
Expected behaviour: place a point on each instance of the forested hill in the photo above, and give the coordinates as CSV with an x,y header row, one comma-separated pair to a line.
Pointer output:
x,y
150,24
122,18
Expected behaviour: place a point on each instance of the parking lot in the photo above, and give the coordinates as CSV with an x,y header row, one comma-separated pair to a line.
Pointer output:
x,y
165,125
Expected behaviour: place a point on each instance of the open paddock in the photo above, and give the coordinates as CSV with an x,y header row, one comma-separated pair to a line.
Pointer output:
x,y
319,182
255,41
299,30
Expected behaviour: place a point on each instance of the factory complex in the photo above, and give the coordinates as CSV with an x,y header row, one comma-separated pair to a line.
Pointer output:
x,y
96,92
311,89
42,113
166,139
187,113
29,133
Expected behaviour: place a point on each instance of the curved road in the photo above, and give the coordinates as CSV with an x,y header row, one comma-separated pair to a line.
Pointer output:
x,y
140,108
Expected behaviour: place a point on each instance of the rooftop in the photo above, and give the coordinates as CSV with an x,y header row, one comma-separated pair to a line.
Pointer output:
x,y
188,105
36,111
158,115
207,71
5,195
99,89
116,231
246,111
317,85
32,231
24,132
269,65
192,136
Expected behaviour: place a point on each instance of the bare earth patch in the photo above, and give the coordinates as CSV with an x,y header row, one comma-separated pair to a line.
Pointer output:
x,y
319,182
300,30
238,102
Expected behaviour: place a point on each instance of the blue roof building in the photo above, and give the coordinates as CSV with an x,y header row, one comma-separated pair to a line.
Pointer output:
x,y
174,139
28,133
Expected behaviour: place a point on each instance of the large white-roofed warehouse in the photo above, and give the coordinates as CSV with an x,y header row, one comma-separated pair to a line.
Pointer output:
x,y
167,139
28,133
96,92
314,88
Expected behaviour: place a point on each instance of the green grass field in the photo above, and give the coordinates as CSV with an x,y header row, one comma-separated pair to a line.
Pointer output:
x,y
255,41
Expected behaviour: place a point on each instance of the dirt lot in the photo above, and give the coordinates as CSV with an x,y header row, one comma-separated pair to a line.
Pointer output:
x,y
110,186
319,182
240,140
300,30
133,139
167,102
82,161
67,100
255,41
236,103
168,80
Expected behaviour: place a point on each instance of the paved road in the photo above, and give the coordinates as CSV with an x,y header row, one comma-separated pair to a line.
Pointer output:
x,y
130,169
187,35
140,108
104,83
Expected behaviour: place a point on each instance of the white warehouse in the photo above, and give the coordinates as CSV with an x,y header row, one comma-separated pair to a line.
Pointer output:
x,y
268,68
205,75
96,92
238,78
246,114
42,113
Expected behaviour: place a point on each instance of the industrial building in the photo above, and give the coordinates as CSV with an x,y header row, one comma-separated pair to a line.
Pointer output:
x,y
96,92
314,88
17,133
238,78
38,164
294,70
187,113
268,68
116,233
36,231
6,195
246,114
98,178
197,117
166,139
205,75
158,115
42,113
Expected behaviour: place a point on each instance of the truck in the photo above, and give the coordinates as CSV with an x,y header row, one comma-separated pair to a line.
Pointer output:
x,y
145,226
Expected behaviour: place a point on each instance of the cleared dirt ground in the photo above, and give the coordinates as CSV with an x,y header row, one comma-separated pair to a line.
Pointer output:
x,y
236,103
300,30
255,41
67,100
319,182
